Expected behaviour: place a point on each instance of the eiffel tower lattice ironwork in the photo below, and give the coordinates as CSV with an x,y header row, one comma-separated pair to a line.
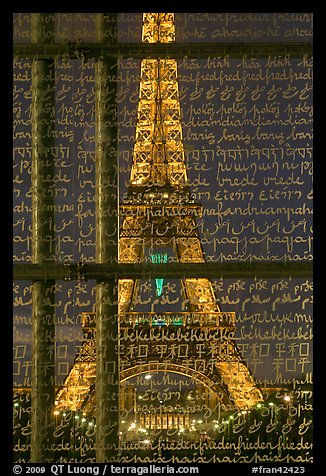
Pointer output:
x,y
158,211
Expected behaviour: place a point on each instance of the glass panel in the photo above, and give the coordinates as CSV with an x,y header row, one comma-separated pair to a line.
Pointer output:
x,y
214,162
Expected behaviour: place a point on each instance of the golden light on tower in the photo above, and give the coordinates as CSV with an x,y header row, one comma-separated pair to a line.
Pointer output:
x,y
159,189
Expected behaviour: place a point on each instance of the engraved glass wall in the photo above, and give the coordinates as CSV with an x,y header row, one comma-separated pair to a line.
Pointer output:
x,y
247,127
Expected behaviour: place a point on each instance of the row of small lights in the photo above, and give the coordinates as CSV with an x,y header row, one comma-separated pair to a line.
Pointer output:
x,y
287,398
259,405
77,417
56,413
133,426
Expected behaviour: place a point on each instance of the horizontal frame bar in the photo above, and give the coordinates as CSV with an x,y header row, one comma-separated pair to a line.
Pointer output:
x,y
102,272
161,50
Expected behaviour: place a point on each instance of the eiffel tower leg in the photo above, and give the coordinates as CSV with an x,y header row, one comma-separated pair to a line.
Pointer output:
x,y
43,310
107,354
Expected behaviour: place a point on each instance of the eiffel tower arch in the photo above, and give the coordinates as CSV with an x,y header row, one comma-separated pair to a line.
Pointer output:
x,y
158,212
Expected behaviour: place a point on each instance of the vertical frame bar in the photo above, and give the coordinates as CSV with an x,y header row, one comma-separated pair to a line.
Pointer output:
x,y
43,297
107,328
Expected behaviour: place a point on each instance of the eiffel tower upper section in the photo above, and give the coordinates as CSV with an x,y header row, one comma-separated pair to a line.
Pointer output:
x,y
158,156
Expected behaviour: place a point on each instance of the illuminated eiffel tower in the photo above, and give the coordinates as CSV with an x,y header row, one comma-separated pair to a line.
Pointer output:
x,y
159,212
